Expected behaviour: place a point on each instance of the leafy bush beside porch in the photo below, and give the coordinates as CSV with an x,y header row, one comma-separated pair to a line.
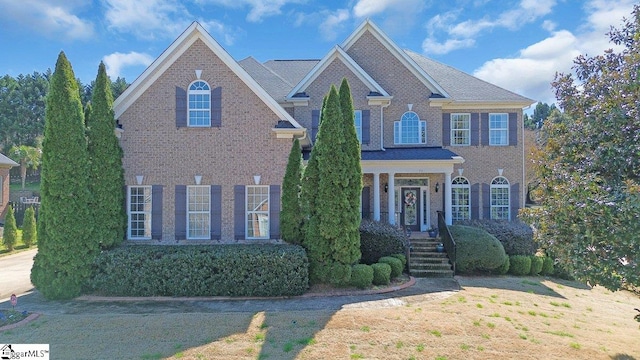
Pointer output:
x,y
220,270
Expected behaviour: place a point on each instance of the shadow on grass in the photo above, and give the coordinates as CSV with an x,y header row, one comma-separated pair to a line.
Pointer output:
x,y
194,328
529,284
622,357
16,249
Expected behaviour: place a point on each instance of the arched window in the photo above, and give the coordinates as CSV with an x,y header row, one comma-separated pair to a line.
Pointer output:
x,y
199,96
460,199
500,198
410,130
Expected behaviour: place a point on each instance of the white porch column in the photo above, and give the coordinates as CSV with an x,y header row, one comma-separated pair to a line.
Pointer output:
x,y
376,196
447,198
392,199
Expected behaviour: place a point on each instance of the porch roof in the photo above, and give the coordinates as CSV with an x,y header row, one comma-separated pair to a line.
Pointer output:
x,y
417,153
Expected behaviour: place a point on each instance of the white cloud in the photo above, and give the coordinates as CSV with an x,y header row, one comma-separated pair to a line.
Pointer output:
x,y
52,18
532,71
365,8
433,47
259,9
147,19
332,22
117,61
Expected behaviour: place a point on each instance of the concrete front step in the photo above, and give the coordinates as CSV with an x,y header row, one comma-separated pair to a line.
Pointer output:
x,y
432,273
425,261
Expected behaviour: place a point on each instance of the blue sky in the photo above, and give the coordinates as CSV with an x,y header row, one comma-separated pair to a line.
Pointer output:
x,y
516,44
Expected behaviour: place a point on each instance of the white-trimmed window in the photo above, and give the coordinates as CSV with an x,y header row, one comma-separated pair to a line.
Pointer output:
x,y
410,129
139,212
500,198
199,96
198,212
498,129
357,116
460,129
460,199
257,212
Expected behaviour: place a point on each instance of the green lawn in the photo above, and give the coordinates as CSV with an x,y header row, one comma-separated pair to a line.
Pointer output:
x,y
19,246
29,186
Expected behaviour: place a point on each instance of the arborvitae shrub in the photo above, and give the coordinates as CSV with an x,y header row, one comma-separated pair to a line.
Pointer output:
x,y
536,265
10,236
381,273
547,266
395,263
519,264
29,229
361,276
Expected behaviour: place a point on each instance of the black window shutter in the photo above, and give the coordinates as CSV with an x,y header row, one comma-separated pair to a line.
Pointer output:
x,y
514,201
239,211
486,201
366,126
216,107
315,124
156,212
181,107
181,212
124,206
484,129
274,211
366,202
475,129
475,201
446,129
216,212
513,129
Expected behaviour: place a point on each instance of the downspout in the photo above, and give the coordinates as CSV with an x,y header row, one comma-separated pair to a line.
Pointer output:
x,y
382,107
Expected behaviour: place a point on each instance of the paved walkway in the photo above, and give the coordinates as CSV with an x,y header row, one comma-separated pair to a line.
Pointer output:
x,y
14,278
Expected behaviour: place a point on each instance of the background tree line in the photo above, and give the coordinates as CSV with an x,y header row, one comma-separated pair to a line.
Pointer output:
x,y
22,106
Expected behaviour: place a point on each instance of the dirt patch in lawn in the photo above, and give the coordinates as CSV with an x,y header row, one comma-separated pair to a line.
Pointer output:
x,y
489,318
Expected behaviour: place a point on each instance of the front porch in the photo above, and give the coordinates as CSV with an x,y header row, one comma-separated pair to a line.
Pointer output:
x,y
407,186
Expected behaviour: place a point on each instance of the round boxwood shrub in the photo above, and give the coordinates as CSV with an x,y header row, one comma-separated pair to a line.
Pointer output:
x,y
395,263
547,266
477,250
504,268
381,273
380,239
516,236
536,265
519,264
361,276
340,274
402,258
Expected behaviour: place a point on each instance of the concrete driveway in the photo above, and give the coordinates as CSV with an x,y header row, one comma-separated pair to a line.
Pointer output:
x,y
15,273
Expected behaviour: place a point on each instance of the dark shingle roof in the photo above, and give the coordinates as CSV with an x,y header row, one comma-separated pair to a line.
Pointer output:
x,y
462,86
273,83
418,153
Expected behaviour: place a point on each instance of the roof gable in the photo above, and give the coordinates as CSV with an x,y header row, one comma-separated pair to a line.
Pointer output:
x,y
6,162
193,33
338,54
408,62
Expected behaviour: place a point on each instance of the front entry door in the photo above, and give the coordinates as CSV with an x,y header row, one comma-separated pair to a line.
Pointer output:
x,y
411,208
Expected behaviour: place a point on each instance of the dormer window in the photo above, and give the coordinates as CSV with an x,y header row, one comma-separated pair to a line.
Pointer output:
x,y
410,129
199,96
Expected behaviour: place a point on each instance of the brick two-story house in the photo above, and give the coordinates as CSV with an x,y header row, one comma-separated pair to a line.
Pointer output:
x,y
206,138
5,165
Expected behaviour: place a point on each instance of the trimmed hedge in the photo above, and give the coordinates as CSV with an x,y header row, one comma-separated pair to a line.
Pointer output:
x,y
504,268
395,263
547,266
516,236
381,273
380,239
201,270
476,249
536,265
519,264
361,276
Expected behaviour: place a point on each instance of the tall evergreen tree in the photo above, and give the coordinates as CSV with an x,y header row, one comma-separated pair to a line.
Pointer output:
x,y
105,158
353,173
66,249
291,215
29,229
10,236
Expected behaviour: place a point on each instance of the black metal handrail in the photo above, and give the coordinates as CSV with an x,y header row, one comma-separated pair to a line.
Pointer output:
x,y
447,240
